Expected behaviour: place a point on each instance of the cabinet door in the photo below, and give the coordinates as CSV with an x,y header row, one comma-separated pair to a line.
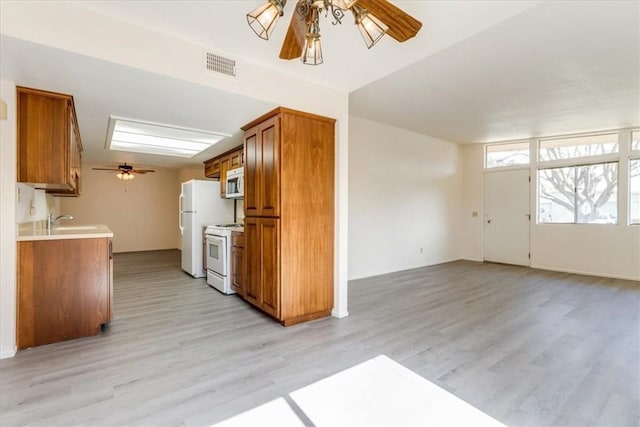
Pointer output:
x,y
253,263
62,297
212,168
225,164
251,183
110,285
237,269
269,167
236,159
270,249
43,139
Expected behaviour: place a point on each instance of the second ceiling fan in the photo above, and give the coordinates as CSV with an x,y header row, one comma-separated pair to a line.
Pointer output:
x,y
125,172
374,19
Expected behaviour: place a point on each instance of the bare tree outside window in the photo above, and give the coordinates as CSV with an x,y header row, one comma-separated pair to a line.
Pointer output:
x,y
512,154
578,194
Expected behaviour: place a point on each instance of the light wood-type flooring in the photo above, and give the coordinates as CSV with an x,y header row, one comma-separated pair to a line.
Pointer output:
x,y
527,347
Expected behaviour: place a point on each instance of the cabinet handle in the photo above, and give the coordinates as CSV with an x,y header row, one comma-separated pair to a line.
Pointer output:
x,y
110,249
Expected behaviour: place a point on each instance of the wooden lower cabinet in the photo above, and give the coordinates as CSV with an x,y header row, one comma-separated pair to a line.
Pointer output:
x,y
262,261
65,289
237,262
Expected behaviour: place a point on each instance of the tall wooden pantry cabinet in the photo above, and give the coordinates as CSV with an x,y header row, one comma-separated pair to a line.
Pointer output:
x,y
289,214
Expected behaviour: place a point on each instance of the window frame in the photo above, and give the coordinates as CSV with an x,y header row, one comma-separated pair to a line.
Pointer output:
x,y
540,141
576,206
508,167
576,162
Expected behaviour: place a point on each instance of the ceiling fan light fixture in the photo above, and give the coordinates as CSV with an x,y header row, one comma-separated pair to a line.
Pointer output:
x,y
125,176
371,28
263,19
312,53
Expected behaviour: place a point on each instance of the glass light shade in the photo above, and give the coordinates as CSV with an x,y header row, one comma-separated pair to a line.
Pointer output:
x,y
371,28
312,54
344,4
125,176
262,19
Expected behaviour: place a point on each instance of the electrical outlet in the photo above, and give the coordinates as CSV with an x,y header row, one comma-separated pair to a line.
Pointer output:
x,y
18,195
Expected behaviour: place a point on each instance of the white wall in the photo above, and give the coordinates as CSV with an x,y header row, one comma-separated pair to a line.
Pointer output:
x,y
405,191
8,222
144,217
599,250
471,227
33,205
187,174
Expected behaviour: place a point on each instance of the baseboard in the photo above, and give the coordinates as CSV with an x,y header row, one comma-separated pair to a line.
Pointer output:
x,y
472,259
7,354
584,273
339,314
445,261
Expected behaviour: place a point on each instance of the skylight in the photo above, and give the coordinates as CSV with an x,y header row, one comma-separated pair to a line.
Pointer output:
x,y
155,138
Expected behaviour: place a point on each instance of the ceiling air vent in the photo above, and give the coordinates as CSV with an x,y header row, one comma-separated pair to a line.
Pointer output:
x,y
220,64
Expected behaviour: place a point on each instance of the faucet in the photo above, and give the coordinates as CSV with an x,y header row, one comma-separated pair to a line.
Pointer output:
x,y
51,220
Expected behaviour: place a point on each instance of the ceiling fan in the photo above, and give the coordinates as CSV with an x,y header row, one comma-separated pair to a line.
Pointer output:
x,y
374,19
125,172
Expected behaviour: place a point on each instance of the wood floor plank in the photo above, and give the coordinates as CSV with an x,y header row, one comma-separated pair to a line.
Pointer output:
x,y
527,347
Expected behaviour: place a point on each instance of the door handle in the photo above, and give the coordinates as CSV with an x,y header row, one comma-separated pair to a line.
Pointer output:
x,y
488,221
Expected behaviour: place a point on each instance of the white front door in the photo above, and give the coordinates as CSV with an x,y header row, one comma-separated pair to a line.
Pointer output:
x,y
506,217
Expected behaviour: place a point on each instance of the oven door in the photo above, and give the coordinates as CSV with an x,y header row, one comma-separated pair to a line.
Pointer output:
x,y
216,254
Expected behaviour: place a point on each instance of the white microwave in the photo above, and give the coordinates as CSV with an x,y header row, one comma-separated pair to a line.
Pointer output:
x,y
235,183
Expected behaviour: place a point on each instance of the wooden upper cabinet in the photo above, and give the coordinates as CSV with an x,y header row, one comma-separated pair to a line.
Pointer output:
x,y
262,169
234,158
49,144
212,168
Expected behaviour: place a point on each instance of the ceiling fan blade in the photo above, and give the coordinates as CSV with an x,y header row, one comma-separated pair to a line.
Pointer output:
x,y
105,169
141,171
294,40
402,26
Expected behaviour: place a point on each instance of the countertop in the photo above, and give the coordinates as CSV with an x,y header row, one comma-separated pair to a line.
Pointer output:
x,y
64,232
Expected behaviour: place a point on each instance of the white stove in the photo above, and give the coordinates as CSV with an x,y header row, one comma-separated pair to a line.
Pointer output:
x,y
218,255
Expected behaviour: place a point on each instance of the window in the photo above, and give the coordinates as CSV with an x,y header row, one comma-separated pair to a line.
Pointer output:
x,y
580,146
583,194
512,154
634,191
635,140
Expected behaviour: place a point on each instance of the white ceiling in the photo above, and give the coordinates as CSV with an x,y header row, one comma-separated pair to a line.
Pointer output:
x,y
348,64
101,89
478,71
559,67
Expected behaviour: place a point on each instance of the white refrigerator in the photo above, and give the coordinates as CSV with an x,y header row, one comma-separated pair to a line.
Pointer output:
x,y
200,206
